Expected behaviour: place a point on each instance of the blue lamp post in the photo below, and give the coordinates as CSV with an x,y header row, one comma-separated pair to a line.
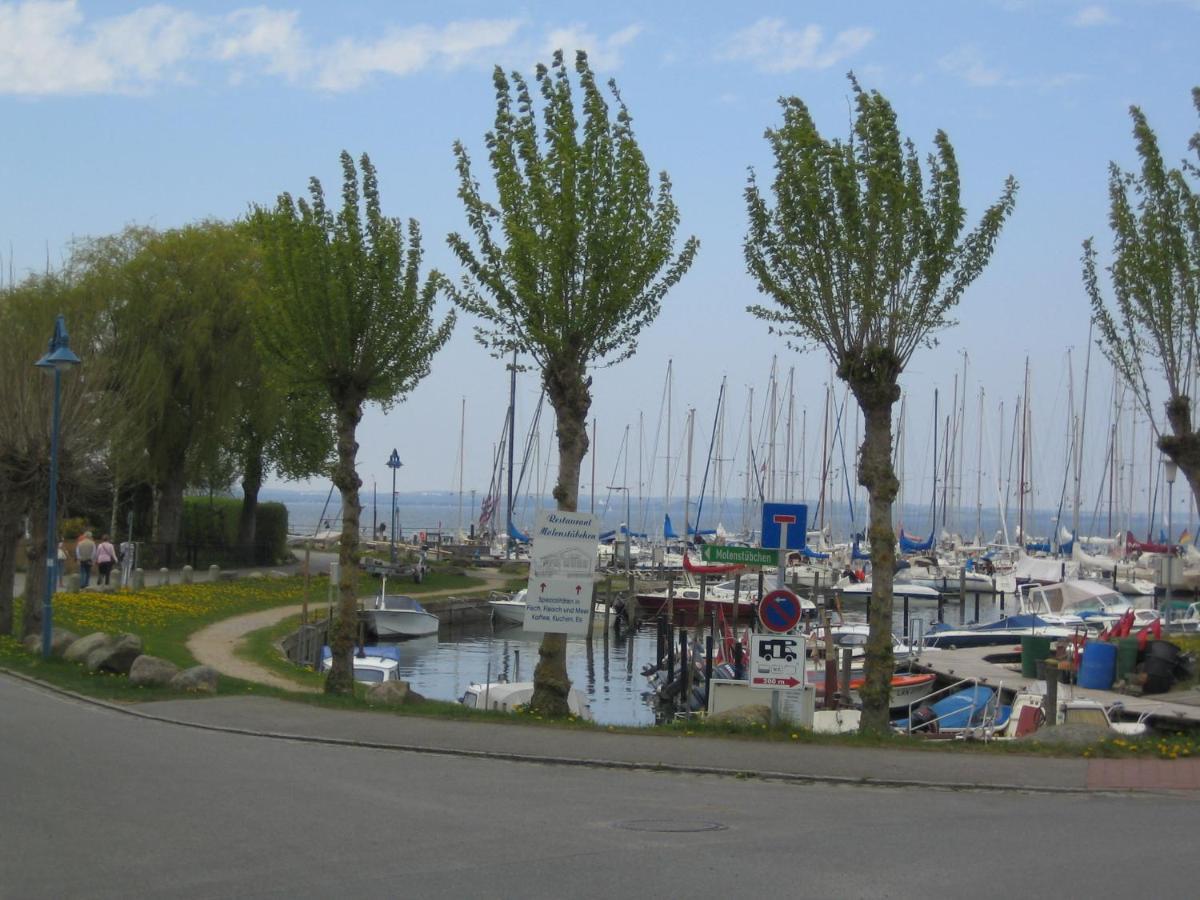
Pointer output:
x,y
394,463
58,357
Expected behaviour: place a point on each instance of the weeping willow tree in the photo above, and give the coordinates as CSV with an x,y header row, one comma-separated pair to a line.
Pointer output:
x,y
569,263
1154,323
864,257
347,316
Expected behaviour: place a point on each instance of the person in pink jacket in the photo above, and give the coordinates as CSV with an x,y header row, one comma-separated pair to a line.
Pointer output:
x,y
106,555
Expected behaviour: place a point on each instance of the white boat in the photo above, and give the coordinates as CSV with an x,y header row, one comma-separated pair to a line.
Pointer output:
x,y
373,666
899,591
510,609
506,696
1074,603
397,615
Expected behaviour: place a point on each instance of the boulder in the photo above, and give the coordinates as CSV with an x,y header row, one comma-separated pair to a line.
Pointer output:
x,y
79,651
151,671
32,643
197,679
116,657
60,640
754,714
393,693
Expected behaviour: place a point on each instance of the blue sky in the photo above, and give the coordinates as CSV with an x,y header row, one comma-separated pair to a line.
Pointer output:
x,y
116,113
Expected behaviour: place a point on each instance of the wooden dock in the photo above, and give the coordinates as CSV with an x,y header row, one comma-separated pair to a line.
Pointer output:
x,y
1179,707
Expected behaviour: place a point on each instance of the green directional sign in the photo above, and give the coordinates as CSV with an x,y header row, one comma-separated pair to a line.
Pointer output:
x,y
746,556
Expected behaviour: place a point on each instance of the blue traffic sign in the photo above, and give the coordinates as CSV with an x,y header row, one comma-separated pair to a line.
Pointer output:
x,y
775,515
780,611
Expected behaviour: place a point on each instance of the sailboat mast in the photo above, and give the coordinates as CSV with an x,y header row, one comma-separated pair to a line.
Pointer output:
x,y
791,432
667,499
1021,471
979,475
687,475
512,441
962,448
462,434
1087,370
824,457
774,425
933,523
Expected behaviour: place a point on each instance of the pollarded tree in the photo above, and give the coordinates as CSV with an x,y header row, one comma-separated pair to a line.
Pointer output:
x,y
1155,219
569,264
863,257
346,315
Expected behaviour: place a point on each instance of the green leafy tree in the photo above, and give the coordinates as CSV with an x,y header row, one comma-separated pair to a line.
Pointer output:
x,y
1154,215
863,258
569,263
181,342
347,315
27,313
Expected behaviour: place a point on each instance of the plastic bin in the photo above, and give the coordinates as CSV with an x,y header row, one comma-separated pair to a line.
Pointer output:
x,y
1099,665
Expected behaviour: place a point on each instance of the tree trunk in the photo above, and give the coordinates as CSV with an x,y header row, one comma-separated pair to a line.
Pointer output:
x,y
10,536
345,478
570,396
876,474
1182,446
35,573
252,479
170,508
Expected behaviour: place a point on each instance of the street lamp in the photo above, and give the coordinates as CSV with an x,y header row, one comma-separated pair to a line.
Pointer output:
x,y
394,463
1170,469
57,358
628,533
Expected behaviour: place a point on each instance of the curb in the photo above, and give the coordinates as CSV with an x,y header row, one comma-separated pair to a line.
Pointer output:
x,y
585,762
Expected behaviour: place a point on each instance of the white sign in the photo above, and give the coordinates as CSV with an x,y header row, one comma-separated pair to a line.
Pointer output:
x,y
562,570
777,661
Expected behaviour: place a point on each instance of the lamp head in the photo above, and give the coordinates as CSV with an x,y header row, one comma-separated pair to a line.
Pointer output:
x,y
1170,469
394,460
59,355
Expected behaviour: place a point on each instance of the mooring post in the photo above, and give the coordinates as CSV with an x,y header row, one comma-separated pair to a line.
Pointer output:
x,y
708,667
1050,703
700,606
905,615
831,678
847,665
977,606
671,599
737,596
941,606
685,668
670,639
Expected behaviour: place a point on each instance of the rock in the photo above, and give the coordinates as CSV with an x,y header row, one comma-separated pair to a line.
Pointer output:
x,y
151,671
393,693
116,657
1078,734
60,640
755,714
256,575
197,679
32,643
78,651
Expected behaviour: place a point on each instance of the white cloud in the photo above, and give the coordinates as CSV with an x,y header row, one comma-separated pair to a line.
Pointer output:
x,y
401,51
603,53
774,47
1092,16
969,64
271,36
55,47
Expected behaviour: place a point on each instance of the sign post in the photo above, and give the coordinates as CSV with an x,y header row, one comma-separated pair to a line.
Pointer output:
x,y
784,527
562,572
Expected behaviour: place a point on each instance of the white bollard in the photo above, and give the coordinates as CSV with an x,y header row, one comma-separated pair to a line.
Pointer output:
x,y
214,572
186,574
164,575
139,579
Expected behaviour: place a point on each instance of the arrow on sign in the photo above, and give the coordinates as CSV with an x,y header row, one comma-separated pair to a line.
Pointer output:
x,y
781,682
543,587
578,588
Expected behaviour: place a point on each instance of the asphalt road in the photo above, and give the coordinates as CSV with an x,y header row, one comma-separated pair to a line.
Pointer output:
x,y
97,804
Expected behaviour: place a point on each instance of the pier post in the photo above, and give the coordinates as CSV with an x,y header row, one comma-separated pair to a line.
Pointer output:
x,y
737,597
941,606
831,666
1050,703
685,669
671,599
905,616
708,659
977,606
670,640
847,665
962,595
700,605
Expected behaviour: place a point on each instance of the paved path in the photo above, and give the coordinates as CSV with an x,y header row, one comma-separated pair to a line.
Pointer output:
x,y
217,644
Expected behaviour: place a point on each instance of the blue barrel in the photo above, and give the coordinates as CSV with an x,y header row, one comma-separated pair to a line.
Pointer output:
x,y
1099,665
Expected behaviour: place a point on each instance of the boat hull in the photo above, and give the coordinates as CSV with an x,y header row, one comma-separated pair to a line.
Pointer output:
x,y
387,623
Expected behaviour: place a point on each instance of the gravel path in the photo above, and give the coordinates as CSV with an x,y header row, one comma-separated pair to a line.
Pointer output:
x,y
216,645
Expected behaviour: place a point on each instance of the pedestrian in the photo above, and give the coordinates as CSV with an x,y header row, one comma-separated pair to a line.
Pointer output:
x,y
85,552
126,553
62,564
106,555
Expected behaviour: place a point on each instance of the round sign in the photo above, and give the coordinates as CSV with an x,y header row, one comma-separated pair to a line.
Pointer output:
x,y
779,611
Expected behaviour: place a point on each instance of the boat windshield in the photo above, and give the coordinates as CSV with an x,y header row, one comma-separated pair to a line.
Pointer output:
x,y
399,602
367,676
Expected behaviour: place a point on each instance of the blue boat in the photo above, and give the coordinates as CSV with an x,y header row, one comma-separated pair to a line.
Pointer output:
x,y
969,708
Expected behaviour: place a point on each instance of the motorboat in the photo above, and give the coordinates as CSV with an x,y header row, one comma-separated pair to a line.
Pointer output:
x,y
900,590
958,710
685,602
906,689
372,664
853,636
507,696
1074,603
1008,630
509,608
398,615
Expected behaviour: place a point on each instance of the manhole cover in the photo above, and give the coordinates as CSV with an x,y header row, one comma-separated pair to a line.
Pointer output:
x,y
676,826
